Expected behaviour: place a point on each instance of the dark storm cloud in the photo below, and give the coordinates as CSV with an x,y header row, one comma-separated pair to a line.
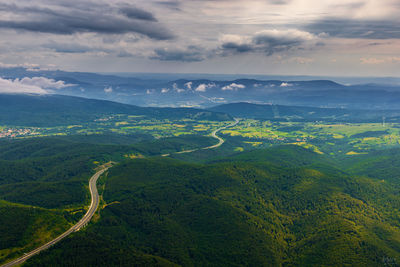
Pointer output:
x,y
364,29
189,55
269,42
237,48
136,13
64,19
272,44
105,25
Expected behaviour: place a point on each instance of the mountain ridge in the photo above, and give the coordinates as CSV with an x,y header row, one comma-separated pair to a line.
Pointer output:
x,y
48,109
304,113
206,92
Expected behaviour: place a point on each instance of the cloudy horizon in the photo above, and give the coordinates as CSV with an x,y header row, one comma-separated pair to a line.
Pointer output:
x,y
268,37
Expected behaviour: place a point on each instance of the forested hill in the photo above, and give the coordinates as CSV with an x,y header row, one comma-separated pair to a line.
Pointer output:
x,y
298,113
258,209
53,110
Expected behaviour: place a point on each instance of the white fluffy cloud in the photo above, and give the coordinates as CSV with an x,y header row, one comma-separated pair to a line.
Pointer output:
x,y
203,87
36,85
44,82
15,86
286,84
189,85
108,89
233,87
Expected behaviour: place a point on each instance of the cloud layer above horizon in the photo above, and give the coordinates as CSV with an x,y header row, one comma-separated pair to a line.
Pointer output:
x,y
333,37
34,85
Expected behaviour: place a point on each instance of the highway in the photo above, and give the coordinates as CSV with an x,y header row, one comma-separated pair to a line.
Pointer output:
x,y
220,140
85,219
213,134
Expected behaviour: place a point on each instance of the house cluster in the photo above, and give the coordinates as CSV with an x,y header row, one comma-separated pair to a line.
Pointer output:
x,y
16,132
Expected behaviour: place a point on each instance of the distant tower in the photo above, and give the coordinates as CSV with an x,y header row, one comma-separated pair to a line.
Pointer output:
x,y
383,121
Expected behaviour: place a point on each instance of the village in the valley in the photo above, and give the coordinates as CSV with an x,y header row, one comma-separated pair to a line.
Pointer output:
x,y
17,132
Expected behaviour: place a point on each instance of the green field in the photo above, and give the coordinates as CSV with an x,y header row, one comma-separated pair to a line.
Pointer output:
x,y
120,124
330,138
334,139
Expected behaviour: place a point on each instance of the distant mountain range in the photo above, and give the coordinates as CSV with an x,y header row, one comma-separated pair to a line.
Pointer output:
x,y
161,92
54,110
297,113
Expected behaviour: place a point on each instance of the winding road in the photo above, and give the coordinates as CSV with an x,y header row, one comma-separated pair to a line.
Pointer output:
x,y
85,219
95,202
213,134
220,140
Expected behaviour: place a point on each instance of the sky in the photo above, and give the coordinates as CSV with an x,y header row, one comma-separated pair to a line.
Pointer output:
x,y
269,37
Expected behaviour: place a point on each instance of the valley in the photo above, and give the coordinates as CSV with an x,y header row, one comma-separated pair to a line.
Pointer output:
x,y
335,138
300,191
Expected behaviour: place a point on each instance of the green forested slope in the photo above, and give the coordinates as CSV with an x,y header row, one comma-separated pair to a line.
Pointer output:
x,y
23,228
43,189
50,173
47,178
381,164
239,212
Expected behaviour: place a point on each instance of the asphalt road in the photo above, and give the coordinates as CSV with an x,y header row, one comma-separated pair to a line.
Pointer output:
x,y
220,140
85,219
213,134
